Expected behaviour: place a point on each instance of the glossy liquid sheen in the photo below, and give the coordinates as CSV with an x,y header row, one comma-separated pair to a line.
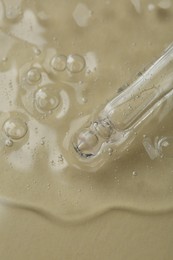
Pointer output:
x,y
59,62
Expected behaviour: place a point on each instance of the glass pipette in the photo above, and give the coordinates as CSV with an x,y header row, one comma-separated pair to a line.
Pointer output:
x,y
117,121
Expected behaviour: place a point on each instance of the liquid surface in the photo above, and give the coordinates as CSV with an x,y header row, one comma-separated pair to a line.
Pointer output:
x,y
56,68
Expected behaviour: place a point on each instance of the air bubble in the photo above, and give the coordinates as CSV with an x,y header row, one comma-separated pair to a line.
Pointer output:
x,y
15,128
84,100
47,98
42,142
75,63
110,151
33,76
134,173
59,62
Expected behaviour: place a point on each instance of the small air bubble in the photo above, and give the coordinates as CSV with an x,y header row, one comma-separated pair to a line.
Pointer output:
x,y
28,186
33,76
37,51
58,62
110,151
84,100
134,173
75,63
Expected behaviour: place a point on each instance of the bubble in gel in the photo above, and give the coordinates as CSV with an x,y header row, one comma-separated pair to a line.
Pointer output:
x,y
86,142
15,128
165,146
59,62
134,173
47,98
33,76
75,63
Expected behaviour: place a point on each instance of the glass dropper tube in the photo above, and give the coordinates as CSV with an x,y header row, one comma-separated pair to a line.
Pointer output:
x,y
117,121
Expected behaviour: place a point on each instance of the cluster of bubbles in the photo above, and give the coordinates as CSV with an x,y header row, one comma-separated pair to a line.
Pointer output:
x,y
74,63
45,95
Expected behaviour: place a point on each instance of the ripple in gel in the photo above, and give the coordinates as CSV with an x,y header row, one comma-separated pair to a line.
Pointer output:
x,y
15,128
165,146
75,63
47,98
33,76
58,62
